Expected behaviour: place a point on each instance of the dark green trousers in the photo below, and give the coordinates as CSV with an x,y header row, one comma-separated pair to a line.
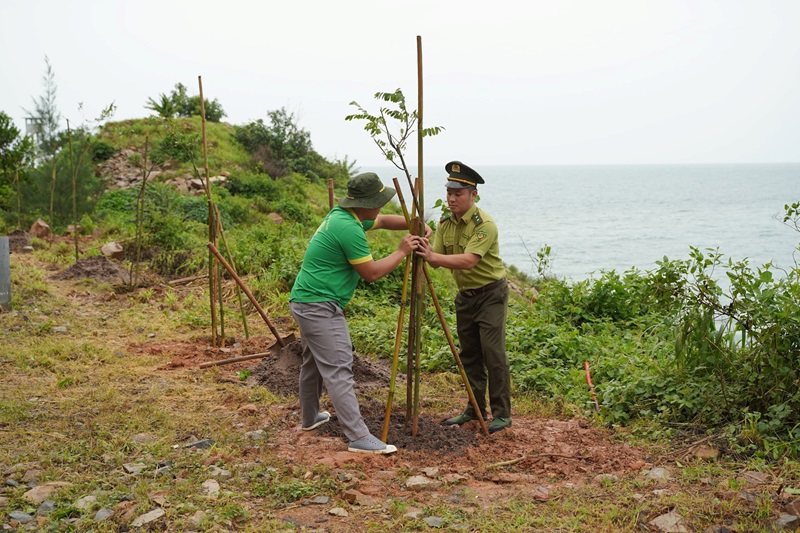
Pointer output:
x,y
481,321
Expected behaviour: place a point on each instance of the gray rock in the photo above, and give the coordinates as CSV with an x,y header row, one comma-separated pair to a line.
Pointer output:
x,y
338,511
197,519
12,483
147,518
670,522
657,474
605,478
42,492
258,434
86,503
787,521
211,487
58,329
113,250
747,496
19,516
143,438
717,528
431,472
319,500
221,473
756,478
434,521
103,514
133,468
46,507
418,483
201,444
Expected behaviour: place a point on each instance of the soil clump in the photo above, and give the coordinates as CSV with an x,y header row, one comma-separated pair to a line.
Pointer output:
x,y
95,267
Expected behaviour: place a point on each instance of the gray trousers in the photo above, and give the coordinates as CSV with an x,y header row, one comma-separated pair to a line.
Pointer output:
x,y
328,360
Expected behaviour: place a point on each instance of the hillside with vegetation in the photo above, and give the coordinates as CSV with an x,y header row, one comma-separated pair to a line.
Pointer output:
x,y
693,414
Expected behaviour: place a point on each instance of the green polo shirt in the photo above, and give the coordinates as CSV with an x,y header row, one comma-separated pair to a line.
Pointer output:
x,y
475,233
327,273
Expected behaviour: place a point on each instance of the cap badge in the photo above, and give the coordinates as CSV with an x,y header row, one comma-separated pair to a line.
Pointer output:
x,y
456,168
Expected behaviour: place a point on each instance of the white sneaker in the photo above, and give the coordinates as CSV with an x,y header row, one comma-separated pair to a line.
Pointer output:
x,y
371,444
322,417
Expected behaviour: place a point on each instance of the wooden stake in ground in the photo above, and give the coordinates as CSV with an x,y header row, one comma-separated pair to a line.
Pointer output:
x,y
232,272
213,270
418,288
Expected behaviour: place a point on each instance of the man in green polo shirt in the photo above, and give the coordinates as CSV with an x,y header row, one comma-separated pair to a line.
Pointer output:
x,y
466,243
336,258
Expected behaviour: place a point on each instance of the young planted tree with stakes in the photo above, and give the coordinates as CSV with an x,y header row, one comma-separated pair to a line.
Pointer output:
x,y
390,129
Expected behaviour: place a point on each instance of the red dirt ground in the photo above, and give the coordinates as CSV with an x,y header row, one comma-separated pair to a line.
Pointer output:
x,y
545,453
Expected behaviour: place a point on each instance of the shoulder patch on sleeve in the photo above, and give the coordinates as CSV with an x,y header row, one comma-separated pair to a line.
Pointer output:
x,y
476,218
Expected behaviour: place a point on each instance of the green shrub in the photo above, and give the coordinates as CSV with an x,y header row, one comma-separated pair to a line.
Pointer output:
x,y
102,151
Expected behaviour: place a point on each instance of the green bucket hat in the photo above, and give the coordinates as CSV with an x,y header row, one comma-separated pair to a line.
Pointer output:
x,y
366,191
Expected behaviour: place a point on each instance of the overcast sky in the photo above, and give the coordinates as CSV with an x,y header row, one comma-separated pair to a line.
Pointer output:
x,y
529,82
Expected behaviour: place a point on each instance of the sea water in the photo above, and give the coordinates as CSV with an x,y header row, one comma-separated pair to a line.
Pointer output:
x,y
617,217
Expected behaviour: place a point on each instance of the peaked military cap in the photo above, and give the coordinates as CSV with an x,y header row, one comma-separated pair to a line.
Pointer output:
x,y
460,176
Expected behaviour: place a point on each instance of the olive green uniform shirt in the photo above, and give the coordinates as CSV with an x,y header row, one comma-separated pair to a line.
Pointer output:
x,y
475,233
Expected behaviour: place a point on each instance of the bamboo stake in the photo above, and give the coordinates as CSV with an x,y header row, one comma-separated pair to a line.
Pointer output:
x,y
74,192
232,272
233,265
52,190
396,353
134,274
234,359
419,295
19,200
330,196
412,313
445,328
412,335
213,271
220,299
416,277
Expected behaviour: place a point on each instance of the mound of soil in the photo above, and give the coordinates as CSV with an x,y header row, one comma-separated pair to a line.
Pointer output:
x,y
96,267
281,374
18,239
431,435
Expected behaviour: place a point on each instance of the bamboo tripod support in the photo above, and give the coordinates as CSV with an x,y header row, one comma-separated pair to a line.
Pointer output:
x,y
445,328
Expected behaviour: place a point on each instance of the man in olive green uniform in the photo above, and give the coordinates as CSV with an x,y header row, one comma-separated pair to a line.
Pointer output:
x,y
466,243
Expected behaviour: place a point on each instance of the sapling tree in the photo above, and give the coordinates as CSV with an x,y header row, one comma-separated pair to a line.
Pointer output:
x,y
392,127
88,141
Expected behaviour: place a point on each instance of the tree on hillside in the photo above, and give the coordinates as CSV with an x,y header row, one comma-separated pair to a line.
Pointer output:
x,y
16,157
47,115
48,119
282,147
178,103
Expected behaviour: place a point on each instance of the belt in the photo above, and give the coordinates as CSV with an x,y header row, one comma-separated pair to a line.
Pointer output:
x,y
479,290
